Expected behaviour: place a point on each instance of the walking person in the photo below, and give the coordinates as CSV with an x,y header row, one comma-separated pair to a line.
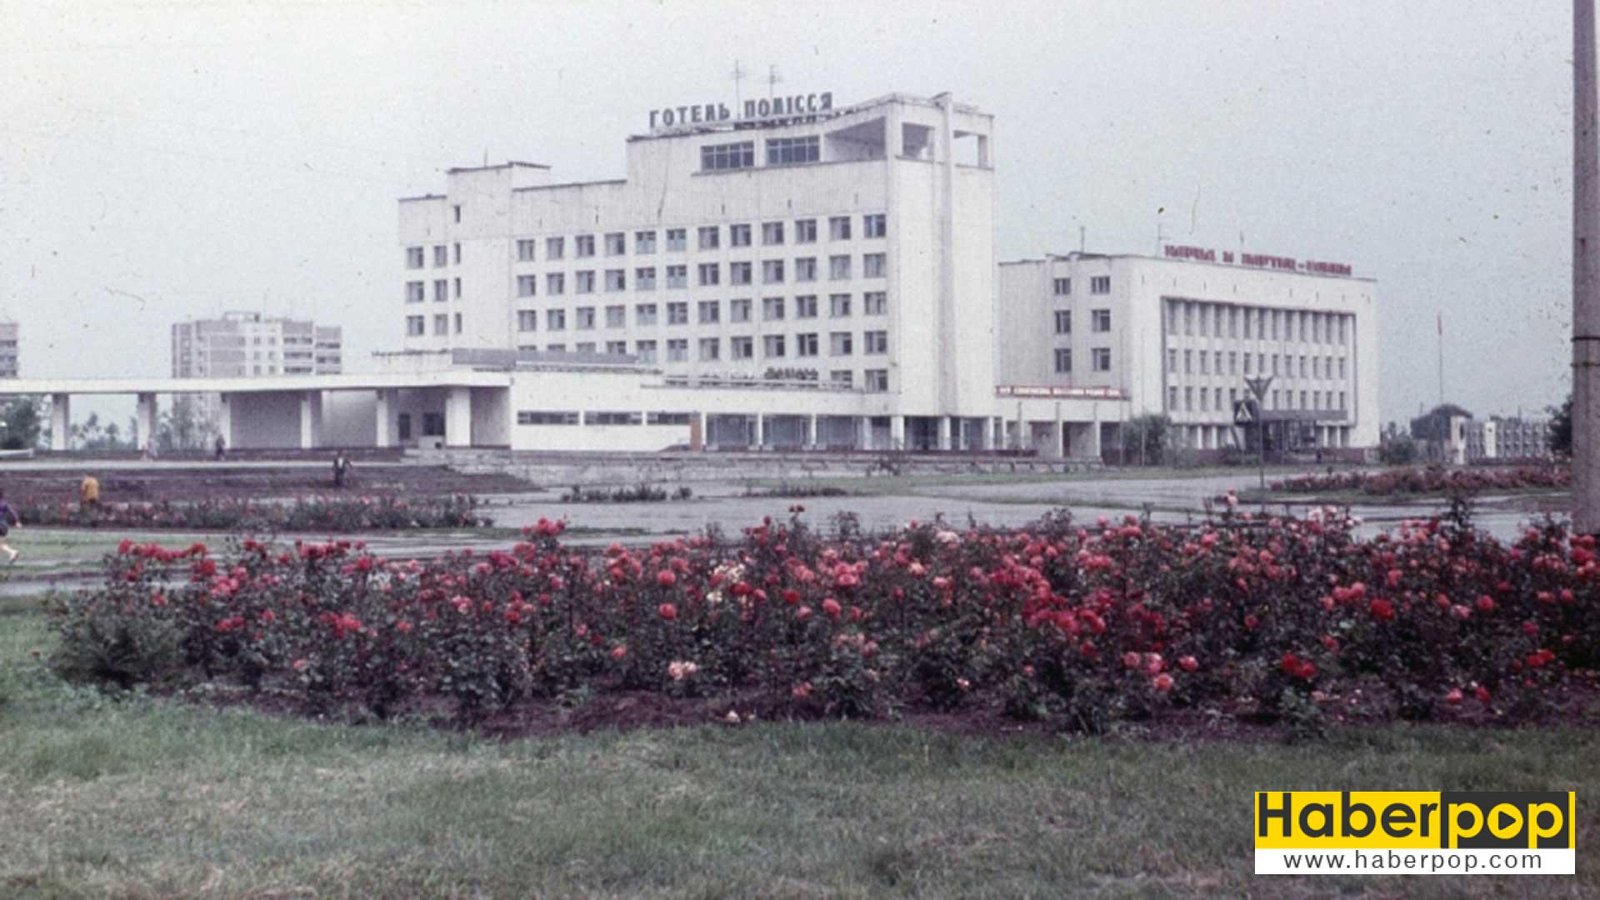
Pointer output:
x,y
341,470
8,520
89,494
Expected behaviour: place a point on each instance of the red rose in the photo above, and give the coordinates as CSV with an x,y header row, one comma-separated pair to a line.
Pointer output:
x,y
1381,609
666,578
667,611
831,608
1188,663
1485,603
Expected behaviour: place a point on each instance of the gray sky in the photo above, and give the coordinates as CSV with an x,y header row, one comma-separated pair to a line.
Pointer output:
x,y
166,160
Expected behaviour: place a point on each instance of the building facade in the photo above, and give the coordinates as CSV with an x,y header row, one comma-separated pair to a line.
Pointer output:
x,y
840,252
1178,335
247,344
1508,438
8,349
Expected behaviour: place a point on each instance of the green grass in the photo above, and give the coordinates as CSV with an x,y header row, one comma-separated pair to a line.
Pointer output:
x,y
150,798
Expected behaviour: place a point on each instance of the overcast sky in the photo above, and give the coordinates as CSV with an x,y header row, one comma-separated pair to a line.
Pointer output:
x,y
166,160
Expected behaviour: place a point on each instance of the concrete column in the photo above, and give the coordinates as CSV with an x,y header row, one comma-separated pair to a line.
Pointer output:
x,y
145,414
458,417
697,432
944,438
60,422
897,432
761,431
225,418
384,419
1054,450
1093,451
310,420
864,433
811,440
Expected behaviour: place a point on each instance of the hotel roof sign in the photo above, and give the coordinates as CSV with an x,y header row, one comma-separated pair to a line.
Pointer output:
x,y
766,111
1257,260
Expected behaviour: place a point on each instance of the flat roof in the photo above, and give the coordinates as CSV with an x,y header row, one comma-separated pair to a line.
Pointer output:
x,y
463,377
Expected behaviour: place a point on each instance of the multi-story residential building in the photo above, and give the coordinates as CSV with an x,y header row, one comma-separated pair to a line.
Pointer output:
x,y
8,349
1180,335
246,344
848,249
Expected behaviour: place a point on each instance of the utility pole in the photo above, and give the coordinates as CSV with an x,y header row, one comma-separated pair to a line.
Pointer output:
x,y
1585,277
1258,388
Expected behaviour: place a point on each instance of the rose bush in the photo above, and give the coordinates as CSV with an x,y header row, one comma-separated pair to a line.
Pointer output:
x,y
315,514
1254,618
1430,480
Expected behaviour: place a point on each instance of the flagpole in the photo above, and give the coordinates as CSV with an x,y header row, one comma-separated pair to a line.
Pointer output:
x,y
1439,324
1585,277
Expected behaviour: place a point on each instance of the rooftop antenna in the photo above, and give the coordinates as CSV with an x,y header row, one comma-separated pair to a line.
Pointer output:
x,y
739,74
772,81
1083,238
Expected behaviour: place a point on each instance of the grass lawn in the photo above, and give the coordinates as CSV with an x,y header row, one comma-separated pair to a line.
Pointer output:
x,y
148,798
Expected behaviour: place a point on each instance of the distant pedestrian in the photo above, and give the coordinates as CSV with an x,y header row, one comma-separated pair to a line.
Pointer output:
x,y
222,449
341,470
8,520
89,493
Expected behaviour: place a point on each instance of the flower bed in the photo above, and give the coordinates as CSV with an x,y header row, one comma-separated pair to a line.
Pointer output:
x,y
1241,618
1431,480
316,514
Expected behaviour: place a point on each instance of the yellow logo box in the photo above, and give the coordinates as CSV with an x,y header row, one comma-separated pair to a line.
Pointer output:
x,y
1292,820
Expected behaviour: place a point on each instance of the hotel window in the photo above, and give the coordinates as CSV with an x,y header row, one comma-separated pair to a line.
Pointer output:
x,y
1063,287
1101,361
710,348
805,269
1100,284
772,346
710,237
1063,321
805,306
617,316
677,240
1275,372
1277,317
678,313
739,235
739,273
874,265
843,377
875,342
1205,363
1188,398
793,151
1302,366
839,228
1341,399
555,248
738,310
456,250
585,316
414,292
875,226
805,231
555,283
1063,360
645,350
742,347
877,380
616,243
585,245
772,309
414,257
710,311
1172,398
456,283
544,417
839,305
644,279
524,250
677,277
1247,364
874,303
678,350
584,283
441,324
805,344
1100,320
1341,375
1233,362
840,343
772,271
644,242
584,347
710,273
1188,362
556,348
415,326
839,268
644,314
616,280
720,157
771,233
526,285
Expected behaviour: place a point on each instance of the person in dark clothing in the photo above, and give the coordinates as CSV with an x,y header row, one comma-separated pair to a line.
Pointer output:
x,y
341,470
222,449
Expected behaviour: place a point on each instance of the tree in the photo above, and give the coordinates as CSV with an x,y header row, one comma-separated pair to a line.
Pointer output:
x,y
1144,440
1395,447
22,426
1561,428
183,426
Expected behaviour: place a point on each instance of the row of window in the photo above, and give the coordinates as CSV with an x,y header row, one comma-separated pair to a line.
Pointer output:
x,y
416,256
1099,321
707,237
741,347
1099,359
742,154
417,291
1210,399
417,326
621,417
773,271
1198,319
1098,284
709,312
1211,363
